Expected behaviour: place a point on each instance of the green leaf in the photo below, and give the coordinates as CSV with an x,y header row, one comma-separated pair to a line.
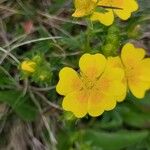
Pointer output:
x,y
113,141
5,80
111,120
136,112
145,102
22,105
135,117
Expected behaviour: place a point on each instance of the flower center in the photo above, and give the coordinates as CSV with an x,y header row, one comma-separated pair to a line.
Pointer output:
x,y
88,83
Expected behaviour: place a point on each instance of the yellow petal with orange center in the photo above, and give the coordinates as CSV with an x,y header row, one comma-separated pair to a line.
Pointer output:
x,y
92,66
99,102
104,94
105,18
111,82
136,69
131,56
69,81
76,102
83,7
96,103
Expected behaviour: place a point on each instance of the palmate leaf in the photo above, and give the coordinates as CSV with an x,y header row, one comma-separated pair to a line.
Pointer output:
x,y
22,105
113,141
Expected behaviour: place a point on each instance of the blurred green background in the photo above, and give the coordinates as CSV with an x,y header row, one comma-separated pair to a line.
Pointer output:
x,y
31,117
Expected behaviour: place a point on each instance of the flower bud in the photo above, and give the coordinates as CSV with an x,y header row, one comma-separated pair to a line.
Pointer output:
x,y
28,66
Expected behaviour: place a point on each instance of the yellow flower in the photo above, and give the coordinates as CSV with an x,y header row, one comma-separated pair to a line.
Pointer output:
x,y
28,66
136,68
95,89
122,8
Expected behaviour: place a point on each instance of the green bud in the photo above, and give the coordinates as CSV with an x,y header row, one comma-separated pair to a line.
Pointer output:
x,y
107,49
111,44
41,73
113,38
113,29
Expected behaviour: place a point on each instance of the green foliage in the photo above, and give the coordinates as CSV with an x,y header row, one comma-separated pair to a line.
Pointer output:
x,y
112,42
5,79
20,104
113,141
127,127
42,71
136,112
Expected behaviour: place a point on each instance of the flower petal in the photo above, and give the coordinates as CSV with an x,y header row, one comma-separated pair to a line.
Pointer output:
x,y
138,87
28,66
112,82
139,78
95,104
99,102
83,7
110,102
69,81
116,63
144,67
128,6
104,95
131,56
76,102
105,18
92,66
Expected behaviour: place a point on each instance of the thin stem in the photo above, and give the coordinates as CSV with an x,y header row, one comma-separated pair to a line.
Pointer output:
x,y
88,36
33,41
51,135
25,43
12,56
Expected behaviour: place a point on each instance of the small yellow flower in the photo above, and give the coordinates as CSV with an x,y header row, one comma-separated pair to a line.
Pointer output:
x,y
136,68
28,66
121,8
95,89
